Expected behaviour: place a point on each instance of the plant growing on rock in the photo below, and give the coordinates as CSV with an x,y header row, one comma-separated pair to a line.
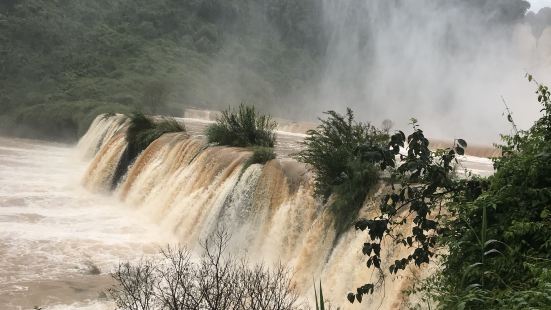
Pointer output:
x,y
261,155
243,127
346,157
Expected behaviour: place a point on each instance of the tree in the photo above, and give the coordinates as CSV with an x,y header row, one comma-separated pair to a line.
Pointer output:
x,y
498,240
155,96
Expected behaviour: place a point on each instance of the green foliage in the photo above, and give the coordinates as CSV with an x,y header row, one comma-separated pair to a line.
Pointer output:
x,y
124,53
345,156
243,128
421,183
261,155
141,132
495,231
500,241
335,143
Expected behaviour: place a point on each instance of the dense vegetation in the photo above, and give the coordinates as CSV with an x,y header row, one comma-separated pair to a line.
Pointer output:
x,y
491,236
499,240
63,62
141,132
345,156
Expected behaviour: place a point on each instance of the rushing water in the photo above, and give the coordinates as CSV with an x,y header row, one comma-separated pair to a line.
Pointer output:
x,y
52,231
60,217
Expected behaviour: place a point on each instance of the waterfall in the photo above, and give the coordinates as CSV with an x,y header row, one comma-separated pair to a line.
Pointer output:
x,y
190,188
102,129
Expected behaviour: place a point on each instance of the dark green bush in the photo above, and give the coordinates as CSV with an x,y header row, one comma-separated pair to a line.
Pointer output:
x,y
242,128
344,155
335,145
261,155
141,132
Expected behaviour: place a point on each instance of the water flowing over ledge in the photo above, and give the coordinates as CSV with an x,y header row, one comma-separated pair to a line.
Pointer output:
x,y
190,188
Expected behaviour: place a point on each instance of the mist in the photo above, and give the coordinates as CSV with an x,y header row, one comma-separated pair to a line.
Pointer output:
x,y
446,64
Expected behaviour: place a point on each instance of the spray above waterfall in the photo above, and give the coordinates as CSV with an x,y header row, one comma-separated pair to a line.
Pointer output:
x,y
443,62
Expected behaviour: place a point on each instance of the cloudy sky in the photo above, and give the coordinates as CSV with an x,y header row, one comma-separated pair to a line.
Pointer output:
x,y
538,4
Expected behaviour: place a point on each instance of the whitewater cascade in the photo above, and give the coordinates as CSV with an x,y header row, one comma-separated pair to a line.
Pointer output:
x,y
190,188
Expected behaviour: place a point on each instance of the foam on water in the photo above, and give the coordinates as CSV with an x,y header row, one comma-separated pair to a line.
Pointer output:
x,y
52,230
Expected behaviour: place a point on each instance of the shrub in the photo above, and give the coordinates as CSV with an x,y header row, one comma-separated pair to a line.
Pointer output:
x,y
214,281
410,212
344,155
141,132
243,128
261,155
333,146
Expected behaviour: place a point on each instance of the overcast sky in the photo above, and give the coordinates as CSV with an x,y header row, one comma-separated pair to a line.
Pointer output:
x,y
538,4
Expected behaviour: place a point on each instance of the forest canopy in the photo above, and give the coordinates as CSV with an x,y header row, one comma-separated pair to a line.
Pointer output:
x,y
63,62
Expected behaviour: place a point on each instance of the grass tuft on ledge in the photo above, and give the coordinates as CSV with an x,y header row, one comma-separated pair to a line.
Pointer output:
x,y
243,127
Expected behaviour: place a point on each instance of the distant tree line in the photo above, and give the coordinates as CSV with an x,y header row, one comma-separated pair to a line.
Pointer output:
x,y
63,62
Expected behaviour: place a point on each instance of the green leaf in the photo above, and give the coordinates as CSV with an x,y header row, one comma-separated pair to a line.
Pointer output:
x,y
492,251
487,243
472,266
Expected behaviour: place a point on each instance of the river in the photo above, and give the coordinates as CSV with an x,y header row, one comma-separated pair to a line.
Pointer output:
x,y
59,240
52,231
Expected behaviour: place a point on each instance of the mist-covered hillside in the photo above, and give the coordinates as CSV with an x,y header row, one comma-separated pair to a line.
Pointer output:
x,y
64,61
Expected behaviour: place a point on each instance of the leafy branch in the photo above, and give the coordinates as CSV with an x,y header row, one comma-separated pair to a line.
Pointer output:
x,y
422,181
